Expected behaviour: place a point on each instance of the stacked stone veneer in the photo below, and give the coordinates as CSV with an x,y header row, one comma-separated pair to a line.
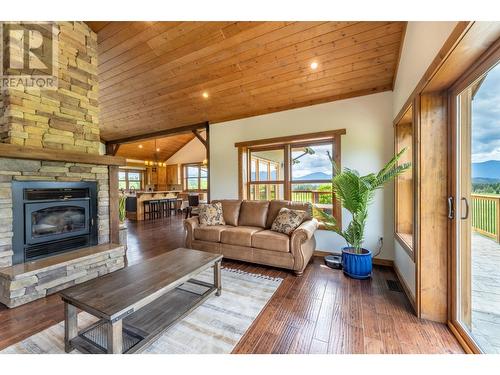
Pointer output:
x,y
30,170
62,119
22,288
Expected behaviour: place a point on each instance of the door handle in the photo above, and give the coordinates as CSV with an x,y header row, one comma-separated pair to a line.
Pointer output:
x,y
451,210
466,216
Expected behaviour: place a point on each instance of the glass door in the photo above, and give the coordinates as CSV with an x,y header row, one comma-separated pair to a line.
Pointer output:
x,y
474,209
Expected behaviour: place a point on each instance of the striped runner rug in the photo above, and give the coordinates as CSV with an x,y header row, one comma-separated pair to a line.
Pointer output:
x,y
214,327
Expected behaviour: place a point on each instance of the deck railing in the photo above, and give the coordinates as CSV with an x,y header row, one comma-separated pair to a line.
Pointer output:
x,y
312,196
486,215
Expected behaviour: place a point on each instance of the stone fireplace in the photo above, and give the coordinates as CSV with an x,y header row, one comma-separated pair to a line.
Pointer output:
x,y
50,141
52,217
25,173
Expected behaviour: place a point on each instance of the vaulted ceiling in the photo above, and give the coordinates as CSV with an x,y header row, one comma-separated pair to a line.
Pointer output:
x,y
162,75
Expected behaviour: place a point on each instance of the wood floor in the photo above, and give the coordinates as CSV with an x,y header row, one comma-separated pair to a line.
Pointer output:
x,y
321,312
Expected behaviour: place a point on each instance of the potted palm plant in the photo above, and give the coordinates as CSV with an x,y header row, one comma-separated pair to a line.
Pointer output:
x,y
356,193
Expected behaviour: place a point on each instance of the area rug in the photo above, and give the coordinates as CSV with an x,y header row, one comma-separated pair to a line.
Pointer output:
x,y
215,327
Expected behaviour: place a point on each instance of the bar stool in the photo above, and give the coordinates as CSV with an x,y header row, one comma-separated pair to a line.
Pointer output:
x,y
172,206
151,209
164,207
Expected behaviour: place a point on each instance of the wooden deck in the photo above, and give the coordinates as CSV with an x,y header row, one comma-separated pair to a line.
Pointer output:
x,y
486,293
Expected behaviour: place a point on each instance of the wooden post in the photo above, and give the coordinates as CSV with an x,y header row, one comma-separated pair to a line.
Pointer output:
x,y
115,337
498,220
207,146
70,326
114,220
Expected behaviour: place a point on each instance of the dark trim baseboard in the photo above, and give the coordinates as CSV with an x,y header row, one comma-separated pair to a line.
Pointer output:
x,y
406,288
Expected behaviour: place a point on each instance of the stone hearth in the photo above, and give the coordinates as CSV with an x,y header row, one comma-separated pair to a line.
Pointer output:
x,y
26,282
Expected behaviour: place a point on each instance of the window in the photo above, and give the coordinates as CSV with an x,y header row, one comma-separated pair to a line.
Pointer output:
x,y
267,174
404,185
312,171
293,168
129,179
195,177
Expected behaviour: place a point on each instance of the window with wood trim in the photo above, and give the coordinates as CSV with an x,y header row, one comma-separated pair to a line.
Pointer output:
x,y
266,180
404,185
298,168
194,177
130,179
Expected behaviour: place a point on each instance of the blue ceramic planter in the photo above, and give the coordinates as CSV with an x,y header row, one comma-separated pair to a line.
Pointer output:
x,y
357,266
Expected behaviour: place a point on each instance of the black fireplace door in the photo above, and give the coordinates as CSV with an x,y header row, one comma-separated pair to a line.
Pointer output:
x,y
52,221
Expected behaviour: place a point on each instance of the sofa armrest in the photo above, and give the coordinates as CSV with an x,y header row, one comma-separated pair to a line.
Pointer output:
x,y
189,225
303,244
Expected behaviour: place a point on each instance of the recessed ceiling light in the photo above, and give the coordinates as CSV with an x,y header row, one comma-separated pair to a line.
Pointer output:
x,y
157,150
140,146
205,95
314,65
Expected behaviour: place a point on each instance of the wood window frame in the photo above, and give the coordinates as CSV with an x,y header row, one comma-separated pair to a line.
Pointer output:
x,y
268,183
287,142
489,59
410,116
127,181
185,178
464,50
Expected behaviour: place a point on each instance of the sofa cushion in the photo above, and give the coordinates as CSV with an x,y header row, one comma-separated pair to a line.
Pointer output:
x,y
288,220
253,213
210,233
241,236
276,205
269,240
211,214
230,210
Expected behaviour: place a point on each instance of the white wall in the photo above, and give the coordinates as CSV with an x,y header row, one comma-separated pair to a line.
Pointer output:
x,y
367,145
192,152
423,40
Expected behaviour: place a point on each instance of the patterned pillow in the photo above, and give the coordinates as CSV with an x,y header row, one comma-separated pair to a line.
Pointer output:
x,y
288,220
211,214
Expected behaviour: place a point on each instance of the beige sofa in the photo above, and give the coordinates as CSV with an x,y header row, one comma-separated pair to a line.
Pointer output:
x,y
247,235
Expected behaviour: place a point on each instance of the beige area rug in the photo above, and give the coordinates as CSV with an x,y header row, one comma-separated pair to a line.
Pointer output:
x,y
214,327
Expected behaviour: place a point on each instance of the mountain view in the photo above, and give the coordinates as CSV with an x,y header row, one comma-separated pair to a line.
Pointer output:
x,y
315,176
486,177
487,171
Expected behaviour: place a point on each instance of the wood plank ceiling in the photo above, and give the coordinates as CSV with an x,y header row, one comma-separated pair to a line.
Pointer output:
x,y
153,75
147,149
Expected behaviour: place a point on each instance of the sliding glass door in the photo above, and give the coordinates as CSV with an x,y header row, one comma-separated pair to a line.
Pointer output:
x,y
474,207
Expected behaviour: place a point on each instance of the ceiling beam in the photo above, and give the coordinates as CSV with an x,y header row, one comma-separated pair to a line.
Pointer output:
x,y
160,134
200,138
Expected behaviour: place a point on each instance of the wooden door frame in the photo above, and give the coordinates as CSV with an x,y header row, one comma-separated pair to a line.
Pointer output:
x,y
487,61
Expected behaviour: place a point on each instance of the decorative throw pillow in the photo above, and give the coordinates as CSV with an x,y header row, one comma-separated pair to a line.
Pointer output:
x,y
288,220
211,214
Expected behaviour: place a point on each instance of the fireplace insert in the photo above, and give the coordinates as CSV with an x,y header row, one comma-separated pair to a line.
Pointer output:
x,y
53,217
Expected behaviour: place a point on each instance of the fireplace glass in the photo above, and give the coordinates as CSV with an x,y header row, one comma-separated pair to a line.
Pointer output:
x,y
52,221
57,220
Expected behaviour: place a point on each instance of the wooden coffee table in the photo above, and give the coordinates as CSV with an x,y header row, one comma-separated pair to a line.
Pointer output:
x,y
138,303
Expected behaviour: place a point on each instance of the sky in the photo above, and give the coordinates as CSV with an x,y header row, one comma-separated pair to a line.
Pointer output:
x,y
309,164
486,119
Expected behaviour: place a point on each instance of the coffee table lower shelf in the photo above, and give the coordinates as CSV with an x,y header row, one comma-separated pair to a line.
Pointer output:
x,y
147,324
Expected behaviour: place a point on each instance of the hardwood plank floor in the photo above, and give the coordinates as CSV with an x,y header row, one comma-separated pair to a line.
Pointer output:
x,y
321,312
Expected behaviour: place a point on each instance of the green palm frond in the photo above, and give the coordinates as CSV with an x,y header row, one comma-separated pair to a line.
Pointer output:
x,y
356,193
